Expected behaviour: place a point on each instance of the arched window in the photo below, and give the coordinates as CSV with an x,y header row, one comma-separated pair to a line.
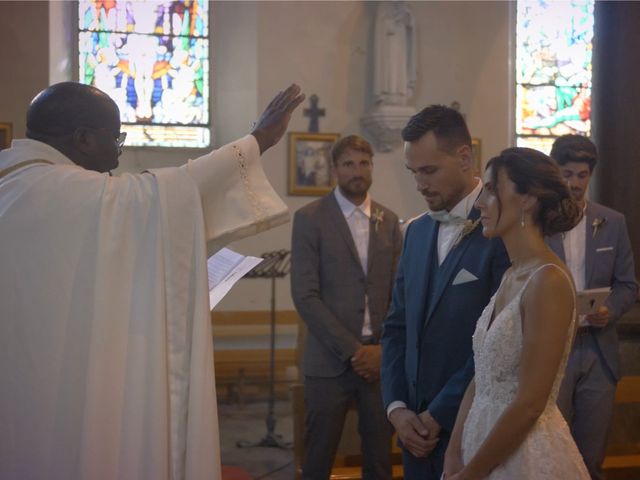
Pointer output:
x,y
152,58
553,70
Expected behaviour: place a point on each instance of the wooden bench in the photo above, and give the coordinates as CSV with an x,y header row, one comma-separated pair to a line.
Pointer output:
x,y
623,461
237,370
242,372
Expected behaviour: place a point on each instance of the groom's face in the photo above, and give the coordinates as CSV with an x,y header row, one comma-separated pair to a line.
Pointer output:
x,y
439,175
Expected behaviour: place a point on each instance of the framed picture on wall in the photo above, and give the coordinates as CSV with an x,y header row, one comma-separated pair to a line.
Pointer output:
x,y
476,148
5,135
310,163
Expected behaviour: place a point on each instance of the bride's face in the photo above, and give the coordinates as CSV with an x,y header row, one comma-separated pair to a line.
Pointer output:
x,y
499,204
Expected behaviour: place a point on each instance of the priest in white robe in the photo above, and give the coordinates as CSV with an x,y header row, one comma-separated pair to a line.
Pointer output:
x,y
106,356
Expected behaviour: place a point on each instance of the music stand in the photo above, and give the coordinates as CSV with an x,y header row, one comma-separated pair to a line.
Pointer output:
x,y
275,265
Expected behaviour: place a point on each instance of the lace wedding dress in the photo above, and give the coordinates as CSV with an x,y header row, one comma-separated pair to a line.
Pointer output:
x,y
548,452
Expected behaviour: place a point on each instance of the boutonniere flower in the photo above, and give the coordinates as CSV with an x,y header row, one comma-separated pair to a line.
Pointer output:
x,y
596,224
377,217
469,227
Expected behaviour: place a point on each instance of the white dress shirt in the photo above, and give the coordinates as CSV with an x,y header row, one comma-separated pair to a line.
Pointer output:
x,y
358,218
574,243
450,231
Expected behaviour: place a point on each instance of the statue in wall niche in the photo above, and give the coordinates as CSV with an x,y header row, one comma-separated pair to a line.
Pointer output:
x,y
395,54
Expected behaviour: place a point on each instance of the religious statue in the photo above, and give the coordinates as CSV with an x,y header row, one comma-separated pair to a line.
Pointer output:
x,y
395,54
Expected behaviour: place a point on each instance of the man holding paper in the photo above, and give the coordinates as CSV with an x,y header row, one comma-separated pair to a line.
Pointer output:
x,y
106,357
598,253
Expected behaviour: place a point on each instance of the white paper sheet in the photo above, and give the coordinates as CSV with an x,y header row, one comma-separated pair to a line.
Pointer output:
x,y
225,268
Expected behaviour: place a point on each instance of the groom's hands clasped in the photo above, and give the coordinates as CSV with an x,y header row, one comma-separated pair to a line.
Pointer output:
x,y
416,437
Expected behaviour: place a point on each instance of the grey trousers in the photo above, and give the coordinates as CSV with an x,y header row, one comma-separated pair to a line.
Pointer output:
x,y
326,403
586,400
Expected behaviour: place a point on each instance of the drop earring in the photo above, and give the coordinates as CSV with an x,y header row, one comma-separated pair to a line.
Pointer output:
x,y
522,219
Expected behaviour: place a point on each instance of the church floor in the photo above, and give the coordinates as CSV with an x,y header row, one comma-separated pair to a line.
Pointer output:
x,y
246,423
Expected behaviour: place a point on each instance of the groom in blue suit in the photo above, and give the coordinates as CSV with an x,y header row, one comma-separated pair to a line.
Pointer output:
x,y
447,274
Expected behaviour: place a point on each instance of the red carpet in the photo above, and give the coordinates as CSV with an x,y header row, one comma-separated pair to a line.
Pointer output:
x,y
234,473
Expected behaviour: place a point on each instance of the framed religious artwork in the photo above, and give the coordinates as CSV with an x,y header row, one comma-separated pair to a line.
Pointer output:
x,y
310,163
476,148
5,135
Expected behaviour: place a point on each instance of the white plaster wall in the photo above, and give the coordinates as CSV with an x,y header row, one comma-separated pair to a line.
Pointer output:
x,y
324,46
24,58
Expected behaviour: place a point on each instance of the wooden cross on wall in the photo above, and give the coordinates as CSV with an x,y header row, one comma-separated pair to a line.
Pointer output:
x,y
314,113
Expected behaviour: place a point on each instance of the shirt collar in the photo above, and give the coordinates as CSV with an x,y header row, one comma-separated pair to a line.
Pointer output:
x,y
348,208
464,206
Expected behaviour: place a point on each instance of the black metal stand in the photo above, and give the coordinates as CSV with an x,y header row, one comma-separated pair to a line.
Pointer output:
x,y
275,265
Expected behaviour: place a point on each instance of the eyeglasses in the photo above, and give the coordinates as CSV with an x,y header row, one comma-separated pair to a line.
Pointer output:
x,y
120,141
120,138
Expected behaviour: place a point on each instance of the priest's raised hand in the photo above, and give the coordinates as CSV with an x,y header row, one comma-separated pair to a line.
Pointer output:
x,y
274,120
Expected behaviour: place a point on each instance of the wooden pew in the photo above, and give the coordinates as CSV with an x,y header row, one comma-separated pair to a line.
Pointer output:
x,y
626,464
241,372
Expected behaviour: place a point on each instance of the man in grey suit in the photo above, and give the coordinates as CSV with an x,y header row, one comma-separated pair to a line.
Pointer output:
x,y
598,253
344,253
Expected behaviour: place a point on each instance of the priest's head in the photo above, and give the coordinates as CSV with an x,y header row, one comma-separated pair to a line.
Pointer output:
x,y
80,121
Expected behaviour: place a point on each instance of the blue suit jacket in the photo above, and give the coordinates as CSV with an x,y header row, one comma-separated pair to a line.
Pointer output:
x,y
427,359
608,263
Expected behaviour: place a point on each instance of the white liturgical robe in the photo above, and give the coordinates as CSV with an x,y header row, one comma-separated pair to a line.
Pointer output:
x,y
106,355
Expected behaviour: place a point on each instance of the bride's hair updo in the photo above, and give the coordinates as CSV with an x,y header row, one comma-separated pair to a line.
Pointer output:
x,y
536,174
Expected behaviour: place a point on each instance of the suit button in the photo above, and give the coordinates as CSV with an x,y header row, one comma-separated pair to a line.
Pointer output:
x,y
361,310
414,384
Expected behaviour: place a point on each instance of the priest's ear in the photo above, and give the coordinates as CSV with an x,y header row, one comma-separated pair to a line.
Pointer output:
x,y
84,140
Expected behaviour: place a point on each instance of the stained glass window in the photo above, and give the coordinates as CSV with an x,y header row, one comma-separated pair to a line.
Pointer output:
x,y
152,58
553,70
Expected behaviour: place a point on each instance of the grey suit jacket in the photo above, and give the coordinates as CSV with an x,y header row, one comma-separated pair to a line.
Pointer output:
x,y
609,262
328,283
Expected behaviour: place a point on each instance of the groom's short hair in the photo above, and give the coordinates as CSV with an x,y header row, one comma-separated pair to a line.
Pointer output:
x,y
447,124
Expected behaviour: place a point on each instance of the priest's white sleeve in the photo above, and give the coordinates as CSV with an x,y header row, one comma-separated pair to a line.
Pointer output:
x,y
237,199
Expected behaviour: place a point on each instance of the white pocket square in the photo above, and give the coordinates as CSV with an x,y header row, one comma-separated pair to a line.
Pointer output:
x,y
464,276
604,249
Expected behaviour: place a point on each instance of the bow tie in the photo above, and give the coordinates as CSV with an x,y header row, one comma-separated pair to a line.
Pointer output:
x,y
446,218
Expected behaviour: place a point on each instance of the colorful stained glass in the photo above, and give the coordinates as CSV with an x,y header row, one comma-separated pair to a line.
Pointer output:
x,y
553,69
152,58
542,144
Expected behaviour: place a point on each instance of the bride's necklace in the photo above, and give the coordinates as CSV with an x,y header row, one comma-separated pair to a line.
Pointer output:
x,y
523,265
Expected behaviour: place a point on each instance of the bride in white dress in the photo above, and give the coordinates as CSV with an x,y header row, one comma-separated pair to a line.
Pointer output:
x,y
508,426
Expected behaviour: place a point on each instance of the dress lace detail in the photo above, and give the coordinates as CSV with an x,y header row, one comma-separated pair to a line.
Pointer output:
x,y
548,452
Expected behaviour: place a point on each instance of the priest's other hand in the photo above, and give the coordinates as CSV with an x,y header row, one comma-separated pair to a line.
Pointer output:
x,y
275,119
